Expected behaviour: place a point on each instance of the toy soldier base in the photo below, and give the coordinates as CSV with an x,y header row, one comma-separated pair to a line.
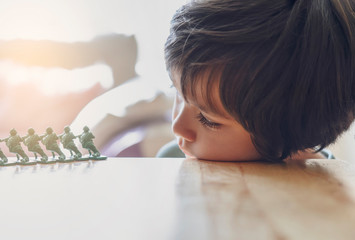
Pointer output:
x,y
83,158
65,160
98,158
44,161
8,163
91,157
26,163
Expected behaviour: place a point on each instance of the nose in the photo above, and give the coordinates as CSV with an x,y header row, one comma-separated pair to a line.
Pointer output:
x,y
183,122
181,129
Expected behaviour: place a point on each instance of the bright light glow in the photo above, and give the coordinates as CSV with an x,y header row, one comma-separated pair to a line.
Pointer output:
x,y
66,20
35,19
57,80
52,81
82,20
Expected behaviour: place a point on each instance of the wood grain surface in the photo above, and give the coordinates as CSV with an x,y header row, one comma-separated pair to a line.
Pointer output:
x,y
152,198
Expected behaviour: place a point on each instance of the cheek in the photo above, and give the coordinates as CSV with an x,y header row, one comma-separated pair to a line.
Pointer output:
x,y
227,147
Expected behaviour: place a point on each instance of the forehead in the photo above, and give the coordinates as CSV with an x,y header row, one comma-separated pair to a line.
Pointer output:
x,y
201,90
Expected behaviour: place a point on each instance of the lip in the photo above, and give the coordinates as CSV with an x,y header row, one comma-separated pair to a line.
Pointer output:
x,y
187,153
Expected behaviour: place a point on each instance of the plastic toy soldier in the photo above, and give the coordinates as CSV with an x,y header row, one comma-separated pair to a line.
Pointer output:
x,y
49,139
14,144
31,140
67,139
2,157
86,139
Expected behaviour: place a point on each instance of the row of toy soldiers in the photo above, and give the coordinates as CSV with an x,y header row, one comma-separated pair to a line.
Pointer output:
x,y
49,139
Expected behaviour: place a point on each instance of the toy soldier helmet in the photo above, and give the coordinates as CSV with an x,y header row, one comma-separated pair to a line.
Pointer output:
x,y
86,129
67,129
31,131
49,130
13,132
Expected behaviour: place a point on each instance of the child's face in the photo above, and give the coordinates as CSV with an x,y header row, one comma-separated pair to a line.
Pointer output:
x,y
204,134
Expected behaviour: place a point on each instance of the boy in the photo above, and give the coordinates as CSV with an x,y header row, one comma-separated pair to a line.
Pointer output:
x,y
262,79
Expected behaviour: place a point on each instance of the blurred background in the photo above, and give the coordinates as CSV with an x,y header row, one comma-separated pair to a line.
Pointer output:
x,y
97,63
57,56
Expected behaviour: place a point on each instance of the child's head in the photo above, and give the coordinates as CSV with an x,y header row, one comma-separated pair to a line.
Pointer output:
x,y
283,71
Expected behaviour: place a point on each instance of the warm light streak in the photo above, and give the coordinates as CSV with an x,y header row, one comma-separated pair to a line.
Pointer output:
x,y
56,80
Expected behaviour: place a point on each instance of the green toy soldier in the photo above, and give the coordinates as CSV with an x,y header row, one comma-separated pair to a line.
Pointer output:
x,y
2,157
67,139
31,140
49,139
14,144
86,139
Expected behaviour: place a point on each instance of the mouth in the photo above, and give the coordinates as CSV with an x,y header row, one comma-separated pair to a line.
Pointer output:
x,y
186,152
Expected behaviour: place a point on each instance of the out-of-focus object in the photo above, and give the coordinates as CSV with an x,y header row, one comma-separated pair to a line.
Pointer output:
x,y
24,105
130,120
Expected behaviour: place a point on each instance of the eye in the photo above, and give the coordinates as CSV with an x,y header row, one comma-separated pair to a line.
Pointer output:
x,y
205,122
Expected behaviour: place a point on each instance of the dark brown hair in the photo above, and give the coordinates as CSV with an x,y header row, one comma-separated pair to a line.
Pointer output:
x,y
287,68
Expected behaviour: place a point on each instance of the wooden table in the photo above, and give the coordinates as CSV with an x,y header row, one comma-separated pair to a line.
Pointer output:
x,y
151,198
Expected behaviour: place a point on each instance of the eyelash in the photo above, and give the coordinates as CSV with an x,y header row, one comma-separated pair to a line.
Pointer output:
x,y
205,122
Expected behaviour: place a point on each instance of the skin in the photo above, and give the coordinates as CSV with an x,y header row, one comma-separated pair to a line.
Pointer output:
x,y
204,134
